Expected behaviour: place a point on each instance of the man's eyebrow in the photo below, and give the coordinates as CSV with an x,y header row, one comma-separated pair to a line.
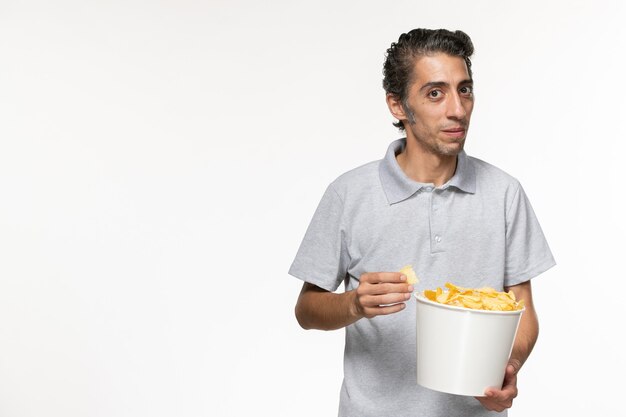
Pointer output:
x,y
434,84
431,84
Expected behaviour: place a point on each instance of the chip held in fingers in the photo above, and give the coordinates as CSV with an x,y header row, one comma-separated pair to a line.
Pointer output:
x,y
411,278
485,298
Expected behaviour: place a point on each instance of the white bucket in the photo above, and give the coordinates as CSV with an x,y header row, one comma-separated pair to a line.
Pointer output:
x,y
463,351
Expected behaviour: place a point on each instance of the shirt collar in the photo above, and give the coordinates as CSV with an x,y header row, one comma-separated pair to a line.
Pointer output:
x,y
398,187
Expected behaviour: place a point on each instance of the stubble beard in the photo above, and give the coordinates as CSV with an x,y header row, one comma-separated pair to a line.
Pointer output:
x,y
453,149
440,148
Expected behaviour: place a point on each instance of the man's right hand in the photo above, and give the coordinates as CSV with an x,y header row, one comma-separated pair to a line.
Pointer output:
x,y
381,293
378,293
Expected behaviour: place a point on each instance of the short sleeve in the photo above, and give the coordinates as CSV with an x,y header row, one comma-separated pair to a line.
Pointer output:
x,y
527,251
322,258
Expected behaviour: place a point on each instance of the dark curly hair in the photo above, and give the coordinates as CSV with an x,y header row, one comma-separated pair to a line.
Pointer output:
x,y
400,58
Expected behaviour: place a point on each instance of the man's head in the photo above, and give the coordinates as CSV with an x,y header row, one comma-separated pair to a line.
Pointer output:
x,y
428,80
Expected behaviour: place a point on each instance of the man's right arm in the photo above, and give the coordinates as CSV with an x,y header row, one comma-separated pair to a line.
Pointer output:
x,y
378,293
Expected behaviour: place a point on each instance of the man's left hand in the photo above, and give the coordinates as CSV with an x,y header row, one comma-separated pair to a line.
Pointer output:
x,y
500,400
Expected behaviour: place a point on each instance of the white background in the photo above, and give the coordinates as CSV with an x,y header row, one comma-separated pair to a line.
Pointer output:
x,y
160,162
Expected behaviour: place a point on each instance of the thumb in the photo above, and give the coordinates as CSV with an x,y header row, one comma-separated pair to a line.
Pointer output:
x,y
513,366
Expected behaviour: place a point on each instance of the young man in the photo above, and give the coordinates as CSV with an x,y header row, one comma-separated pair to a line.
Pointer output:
x,y
426,203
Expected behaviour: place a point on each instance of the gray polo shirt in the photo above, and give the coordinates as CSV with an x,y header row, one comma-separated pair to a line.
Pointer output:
x,y
476,230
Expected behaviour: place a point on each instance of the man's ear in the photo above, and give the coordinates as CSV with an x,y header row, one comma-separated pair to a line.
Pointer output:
x,y
395,107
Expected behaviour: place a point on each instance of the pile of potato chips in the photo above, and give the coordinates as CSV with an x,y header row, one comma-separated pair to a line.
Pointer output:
x,y
479,299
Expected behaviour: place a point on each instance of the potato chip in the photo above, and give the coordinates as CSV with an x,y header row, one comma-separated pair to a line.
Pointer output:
x,y
411,278
485,298
430,294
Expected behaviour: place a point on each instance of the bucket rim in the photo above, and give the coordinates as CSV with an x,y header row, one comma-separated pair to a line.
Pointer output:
x,y
421,299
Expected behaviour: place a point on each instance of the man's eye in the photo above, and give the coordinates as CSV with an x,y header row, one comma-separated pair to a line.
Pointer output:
x,y
434,94
466,90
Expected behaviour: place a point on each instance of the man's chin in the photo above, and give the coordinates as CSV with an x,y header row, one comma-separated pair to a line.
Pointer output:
x,y
451,149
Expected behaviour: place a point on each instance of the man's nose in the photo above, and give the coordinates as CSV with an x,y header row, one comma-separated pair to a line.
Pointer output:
x,y
456,109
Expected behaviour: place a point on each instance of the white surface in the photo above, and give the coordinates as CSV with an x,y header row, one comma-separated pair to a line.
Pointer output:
x,y
462,351
160,162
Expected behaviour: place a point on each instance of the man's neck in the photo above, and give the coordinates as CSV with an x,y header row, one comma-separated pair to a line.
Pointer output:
x,y
424,166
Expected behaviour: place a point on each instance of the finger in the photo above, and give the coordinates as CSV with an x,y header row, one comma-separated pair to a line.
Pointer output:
x,y
494,405
490,404
509,387
510,381
377,300
383,311
510,372
515,364
386,288
504,396
379,277
493,394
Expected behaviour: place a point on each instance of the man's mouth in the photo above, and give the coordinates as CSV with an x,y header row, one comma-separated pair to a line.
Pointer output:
x,y
456,132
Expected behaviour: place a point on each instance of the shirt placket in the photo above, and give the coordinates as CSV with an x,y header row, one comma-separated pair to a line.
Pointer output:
x,y
437,221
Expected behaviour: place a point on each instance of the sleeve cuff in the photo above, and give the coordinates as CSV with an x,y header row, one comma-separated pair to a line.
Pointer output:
x,y
530,273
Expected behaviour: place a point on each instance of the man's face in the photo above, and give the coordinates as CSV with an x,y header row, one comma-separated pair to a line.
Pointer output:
x,y
439,104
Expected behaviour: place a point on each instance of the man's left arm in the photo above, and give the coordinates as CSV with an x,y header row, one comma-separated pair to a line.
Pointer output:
x,y
527,332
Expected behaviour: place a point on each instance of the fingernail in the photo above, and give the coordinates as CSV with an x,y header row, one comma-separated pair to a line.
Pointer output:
x,y
407,296
402,277
410,288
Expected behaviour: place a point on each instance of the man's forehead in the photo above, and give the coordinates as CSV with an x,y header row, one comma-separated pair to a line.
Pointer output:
x,y
440,67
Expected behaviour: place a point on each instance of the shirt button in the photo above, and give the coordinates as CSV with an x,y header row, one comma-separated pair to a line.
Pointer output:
x,y
435,207
437,238
428,188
